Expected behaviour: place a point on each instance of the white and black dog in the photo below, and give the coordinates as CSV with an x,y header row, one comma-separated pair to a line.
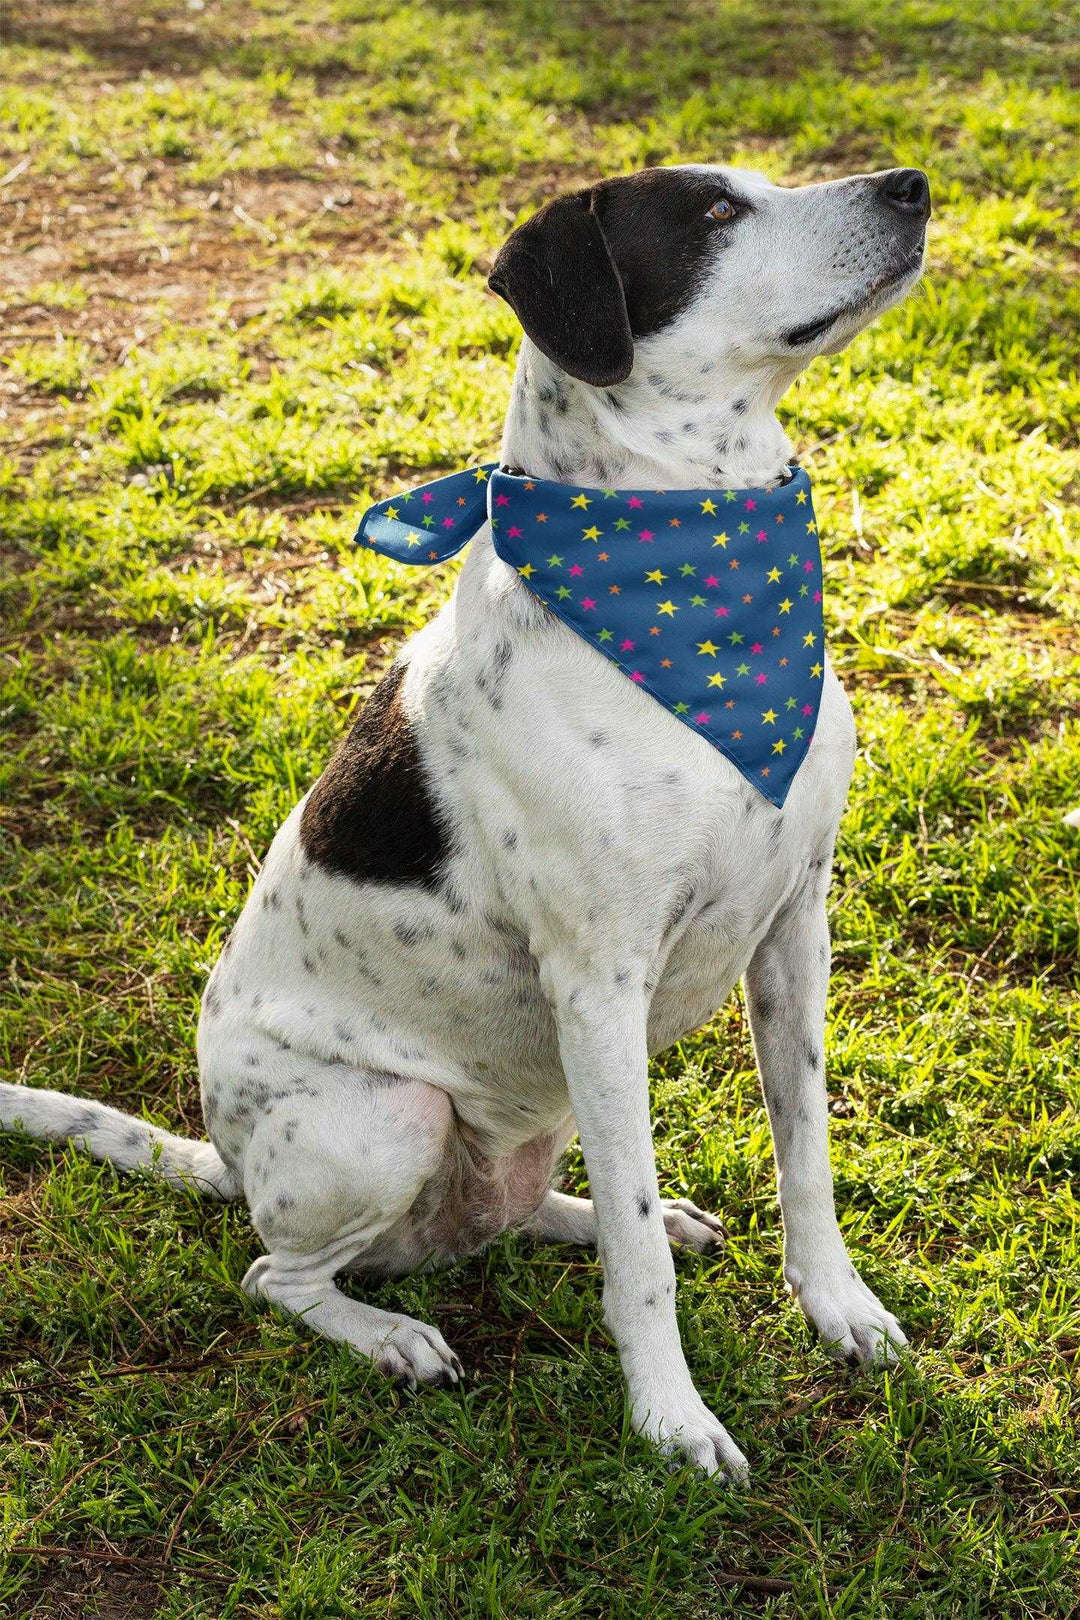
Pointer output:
x,y
519,876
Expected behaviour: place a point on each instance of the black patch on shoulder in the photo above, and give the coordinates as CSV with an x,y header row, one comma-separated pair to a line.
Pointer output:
x,y
643,1205
371,816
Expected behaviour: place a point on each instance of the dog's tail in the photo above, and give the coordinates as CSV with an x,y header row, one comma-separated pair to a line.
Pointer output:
x,y
121,1139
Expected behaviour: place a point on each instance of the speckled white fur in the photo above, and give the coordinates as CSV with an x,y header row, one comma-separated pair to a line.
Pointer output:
x,y
390,1073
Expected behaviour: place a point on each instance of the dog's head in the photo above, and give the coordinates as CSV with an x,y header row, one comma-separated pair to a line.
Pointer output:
x,y
712,261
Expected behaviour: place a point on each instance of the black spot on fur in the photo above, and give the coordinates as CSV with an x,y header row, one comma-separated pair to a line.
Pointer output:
x,y
643,1205
764,1007
371,816
412,933
509,839
738,406
813,1056
597,739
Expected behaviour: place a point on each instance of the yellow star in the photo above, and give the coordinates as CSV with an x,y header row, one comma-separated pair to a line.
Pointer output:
x,y
811,528
779,745
527,571
809,639
720,540
582,501
785,605
655,577
412,539
815,669
480,475
773,576
707,647
717,680
391,511
708,506
800,499
667,607
591,533
768,717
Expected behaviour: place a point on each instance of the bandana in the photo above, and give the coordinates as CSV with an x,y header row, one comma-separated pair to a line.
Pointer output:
x,y
710,600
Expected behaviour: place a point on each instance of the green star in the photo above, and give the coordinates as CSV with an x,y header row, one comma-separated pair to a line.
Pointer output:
x,y
682,708
687,569
429,522
797,733
729,494
804,590
735,639
554,562
608,494
605,635
697,601
622,523
744,528
562,593
742,669
792,560
790,704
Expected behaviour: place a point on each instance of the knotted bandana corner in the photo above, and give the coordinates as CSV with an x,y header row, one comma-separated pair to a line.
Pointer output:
x,y
710,600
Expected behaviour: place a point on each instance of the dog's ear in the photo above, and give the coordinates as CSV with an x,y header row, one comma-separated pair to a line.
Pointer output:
x,y
557,274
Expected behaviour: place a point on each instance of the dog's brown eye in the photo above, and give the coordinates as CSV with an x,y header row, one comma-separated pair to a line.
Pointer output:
x,y
722,209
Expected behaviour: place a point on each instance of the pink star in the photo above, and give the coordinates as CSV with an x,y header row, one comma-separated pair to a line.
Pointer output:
x,y
502,500
587,603
626,646
722,613
817,596
701,719
513,532
634,502
761,680
636,675
808,708
761,535
428,497
645,536
808,566
448,523
576,570
751,506
711,579
757,647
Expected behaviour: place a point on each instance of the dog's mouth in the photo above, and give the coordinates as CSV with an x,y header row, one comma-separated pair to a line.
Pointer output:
x,y
911,264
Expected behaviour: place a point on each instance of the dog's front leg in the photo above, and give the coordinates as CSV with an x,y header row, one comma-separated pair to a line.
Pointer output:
x,y
786,986
602,1042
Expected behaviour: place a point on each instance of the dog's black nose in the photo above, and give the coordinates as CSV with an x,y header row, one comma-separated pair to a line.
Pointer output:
x,y
906,190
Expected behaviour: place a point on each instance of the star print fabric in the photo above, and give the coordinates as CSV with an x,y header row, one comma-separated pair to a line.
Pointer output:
x,y
709,600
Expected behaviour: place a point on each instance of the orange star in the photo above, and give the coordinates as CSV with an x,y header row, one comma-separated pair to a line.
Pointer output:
x,y
665,663
614,590
461,500
748,598
602,556
530,486
654,629
737,736
676,523
734,563
541,517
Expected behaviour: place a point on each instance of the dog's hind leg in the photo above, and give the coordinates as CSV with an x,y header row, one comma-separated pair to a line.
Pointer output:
x,y
561,1219
329,1173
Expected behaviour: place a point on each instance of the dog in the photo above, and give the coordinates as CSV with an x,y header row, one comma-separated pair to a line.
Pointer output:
x,y
519,876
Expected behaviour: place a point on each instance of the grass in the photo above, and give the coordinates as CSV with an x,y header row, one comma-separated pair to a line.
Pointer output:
x,y
242,292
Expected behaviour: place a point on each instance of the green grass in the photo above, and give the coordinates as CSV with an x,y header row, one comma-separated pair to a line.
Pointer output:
x,y
243,291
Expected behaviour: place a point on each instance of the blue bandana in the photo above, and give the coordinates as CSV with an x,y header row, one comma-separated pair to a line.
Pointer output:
x,y
708,599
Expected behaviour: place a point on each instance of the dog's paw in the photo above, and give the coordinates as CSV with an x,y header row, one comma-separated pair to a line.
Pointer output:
x,y
686,1431
853,1324
688,1227
413,1353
